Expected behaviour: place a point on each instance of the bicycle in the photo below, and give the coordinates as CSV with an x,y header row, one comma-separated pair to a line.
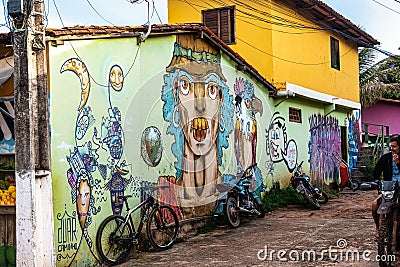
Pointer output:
x,y
116,234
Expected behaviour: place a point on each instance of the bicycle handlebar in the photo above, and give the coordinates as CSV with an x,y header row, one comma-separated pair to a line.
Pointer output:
x,y
149,188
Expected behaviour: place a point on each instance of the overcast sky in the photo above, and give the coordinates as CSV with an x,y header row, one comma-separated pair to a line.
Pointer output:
x,y
371,15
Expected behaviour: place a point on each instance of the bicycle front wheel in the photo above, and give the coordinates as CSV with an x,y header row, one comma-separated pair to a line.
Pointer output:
x,y
162,227
114,240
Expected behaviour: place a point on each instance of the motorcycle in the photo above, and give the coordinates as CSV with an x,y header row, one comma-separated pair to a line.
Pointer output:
x,y
301,182
388,210
240,199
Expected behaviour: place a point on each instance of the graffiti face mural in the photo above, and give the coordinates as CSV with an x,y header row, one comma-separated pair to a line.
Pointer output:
x,y
199,107
116,78
82,201
199,98
278,148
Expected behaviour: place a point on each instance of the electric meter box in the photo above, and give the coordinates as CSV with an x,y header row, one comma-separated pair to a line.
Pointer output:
x,y
15,7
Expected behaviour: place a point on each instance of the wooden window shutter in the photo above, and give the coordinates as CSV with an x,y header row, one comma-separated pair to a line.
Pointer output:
x,y
222,22
225,22
335,55
211,20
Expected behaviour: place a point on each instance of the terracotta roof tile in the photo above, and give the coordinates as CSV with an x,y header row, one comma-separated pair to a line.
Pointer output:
x,y
90,31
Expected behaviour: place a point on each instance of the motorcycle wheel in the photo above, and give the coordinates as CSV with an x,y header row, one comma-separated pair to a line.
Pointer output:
x,y
354,185
323,198
311,199
231,212
385,239
260,209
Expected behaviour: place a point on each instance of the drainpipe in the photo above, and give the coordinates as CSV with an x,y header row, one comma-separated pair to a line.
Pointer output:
x,y
286,93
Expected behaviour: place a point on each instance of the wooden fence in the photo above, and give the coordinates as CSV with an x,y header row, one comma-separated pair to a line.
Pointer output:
x,y
8,225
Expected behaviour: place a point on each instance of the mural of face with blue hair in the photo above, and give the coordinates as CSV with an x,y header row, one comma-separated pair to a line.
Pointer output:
x,y
200,110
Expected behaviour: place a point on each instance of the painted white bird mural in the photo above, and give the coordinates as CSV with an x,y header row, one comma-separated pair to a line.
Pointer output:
x,y
247,105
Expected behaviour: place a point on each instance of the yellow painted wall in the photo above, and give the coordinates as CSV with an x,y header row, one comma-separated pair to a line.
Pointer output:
x,y
281,52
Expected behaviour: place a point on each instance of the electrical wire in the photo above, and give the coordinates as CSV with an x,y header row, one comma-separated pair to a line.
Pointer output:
x,y
296,25
387,6
280,21
291,61
274,56
77,55
155,9
243,18
99,13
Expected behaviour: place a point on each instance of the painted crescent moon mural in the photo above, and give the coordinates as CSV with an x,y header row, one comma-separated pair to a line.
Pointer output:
x,y
79,68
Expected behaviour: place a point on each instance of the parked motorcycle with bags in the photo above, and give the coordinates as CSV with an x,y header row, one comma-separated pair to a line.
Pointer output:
x,y
388,232
240,199
301,182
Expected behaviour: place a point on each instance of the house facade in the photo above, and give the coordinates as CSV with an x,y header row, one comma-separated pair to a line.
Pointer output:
x,y
384,112
302,42
303,47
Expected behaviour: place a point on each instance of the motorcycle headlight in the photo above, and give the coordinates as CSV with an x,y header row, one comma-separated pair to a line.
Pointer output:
x,y
387,194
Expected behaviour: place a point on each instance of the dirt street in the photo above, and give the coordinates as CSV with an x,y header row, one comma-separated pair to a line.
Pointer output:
x,y
333,236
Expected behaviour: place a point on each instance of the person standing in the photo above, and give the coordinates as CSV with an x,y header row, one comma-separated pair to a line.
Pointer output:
x,y
388,165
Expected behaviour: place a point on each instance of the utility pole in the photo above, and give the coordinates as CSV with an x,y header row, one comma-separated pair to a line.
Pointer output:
x,y
34,209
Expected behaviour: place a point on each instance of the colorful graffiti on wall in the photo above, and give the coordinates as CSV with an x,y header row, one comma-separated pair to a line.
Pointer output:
x,y
200,109
324,143
210,130
278,147
247,105
354,139
7,136
89,174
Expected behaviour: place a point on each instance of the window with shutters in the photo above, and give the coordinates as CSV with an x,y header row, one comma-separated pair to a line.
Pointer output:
x,y
222,22
335,56
295,115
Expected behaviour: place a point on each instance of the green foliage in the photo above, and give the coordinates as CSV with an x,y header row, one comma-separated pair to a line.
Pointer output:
x,y
7,255
277,198
378,80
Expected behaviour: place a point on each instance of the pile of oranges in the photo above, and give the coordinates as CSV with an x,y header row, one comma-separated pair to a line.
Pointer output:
x,y
7,197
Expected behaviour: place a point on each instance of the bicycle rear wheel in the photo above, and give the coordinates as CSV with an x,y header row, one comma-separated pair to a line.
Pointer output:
x,y
114,240
162,227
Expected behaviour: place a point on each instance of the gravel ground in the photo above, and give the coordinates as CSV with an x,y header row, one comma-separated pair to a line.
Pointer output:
x,y
339,234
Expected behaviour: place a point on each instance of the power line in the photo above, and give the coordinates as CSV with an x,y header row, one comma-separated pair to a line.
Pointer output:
x,y
290,61
77,55
99,13
264,52
155,9
302,26
387,6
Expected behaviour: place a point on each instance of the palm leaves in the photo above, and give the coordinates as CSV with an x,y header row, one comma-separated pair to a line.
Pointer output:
x,y
378,80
